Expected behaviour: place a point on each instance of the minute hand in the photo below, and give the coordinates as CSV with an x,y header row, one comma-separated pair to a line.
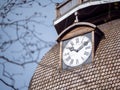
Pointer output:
x,y
71,48
85,43
80,48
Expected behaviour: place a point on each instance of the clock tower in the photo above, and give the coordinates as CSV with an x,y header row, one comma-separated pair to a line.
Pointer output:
x,y
77,34
87,53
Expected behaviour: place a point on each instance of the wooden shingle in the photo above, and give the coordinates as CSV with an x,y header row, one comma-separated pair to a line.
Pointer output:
x,y
102,74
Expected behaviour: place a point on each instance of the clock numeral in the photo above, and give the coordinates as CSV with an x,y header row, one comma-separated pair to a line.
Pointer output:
x,y
82,58
71,43
68,58
66,54
86,53
85,43
87,47
71,62
77,61
77,40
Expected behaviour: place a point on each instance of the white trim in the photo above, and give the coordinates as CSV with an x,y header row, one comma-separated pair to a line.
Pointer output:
x,y
87,4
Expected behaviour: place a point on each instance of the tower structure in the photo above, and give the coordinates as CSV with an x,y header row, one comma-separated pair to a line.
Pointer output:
x,y
87,53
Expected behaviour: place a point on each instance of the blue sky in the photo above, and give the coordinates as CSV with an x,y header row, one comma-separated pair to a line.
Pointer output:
x,y
44,30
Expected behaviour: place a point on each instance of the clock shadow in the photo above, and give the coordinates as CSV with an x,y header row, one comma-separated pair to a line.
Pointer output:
x,y
98,36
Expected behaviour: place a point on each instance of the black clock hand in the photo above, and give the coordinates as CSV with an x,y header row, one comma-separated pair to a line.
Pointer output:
x,y
70,48
81,45
84,44
80,48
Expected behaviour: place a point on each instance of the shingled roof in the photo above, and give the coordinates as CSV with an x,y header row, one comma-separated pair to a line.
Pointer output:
x,y
102,74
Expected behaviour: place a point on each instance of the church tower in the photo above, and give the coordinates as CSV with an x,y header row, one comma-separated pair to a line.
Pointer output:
x,y
87,53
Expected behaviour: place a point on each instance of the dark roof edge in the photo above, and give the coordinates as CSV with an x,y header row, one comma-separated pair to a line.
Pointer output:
x,y
58,20
75,25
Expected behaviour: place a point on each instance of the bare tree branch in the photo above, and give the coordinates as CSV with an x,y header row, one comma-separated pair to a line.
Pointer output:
x,y
16,63
8,84
20,41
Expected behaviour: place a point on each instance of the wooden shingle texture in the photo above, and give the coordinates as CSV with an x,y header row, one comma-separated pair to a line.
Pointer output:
x,y
102,74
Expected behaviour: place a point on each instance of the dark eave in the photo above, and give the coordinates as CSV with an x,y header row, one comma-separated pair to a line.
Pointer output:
x,y
73,26
95,14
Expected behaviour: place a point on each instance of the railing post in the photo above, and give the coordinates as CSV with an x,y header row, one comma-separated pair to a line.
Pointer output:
x,y
80,1
57,10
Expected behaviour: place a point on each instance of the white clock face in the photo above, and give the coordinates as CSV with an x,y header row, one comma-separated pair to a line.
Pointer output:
x,y
77,51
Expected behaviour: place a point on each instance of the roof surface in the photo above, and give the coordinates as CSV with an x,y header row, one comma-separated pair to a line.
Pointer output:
x,y
102,74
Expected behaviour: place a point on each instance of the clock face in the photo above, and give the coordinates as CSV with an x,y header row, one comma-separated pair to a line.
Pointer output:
x,y
77,51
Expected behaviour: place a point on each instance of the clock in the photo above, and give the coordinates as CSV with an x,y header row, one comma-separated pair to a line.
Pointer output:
x,y
77,51
77,45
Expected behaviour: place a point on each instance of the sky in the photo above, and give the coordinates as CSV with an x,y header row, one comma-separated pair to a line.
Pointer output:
x,y
44,30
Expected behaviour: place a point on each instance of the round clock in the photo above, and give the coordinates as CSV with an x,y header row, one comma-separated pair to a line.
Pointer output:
x,y
77,51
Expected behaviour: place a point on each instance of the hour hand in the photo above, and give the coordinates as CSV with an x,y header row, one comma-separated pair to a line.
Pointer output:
x,y
70,48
